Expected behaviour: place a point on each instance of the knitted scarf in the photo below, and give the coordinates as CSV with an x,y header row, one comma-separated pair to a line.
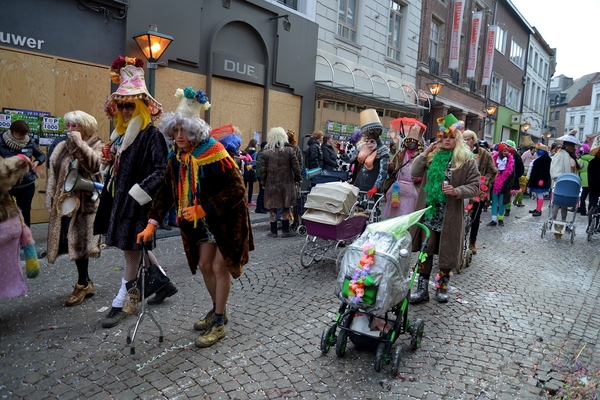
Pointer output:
x,y
207,158
13,143
436,174
503,175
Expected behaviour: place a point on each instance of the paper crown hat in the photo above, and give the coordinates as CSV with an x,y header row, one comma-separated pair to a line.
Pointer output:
x,y
526,142
369,123
191,102
407,128
132,86
595,146
448,124
541,146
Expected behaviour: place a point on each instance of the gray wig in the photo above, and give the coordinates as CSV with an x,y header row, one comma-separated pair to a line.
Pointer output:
x,y
276,139
195,128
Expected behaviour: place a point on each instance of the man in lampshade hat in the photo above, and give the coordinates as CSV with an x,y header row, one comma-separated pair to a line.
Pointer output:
x,y
370,166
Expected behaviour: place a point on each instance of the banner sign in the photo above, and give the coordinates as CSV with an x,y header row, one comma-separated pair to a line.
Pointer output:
x,y
489,56
457,16
474,43
43,127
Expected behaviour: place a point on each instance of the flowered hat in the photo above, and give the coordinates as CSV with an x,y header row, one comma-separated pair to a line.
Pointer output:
x,y
128,73
191,102
370,125
448,124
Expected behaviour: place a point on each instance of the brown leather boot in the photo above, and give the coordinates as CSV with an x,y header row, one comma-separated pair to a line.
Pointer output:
x,y
472,246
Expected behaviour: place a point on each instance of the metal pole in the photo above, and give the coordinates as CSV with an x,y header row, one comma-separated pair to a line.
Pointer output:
x,y
152,66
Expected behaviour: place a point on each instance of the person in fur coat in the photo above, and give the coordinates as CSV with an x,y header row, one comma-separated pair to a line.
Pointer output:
x,y
279,171
73,234
203,182
450,176
134,170
13,232
487,171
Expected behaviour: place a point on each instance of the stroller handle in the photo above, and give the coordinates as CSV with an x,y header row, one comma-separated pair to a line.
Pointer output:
x,y
427,234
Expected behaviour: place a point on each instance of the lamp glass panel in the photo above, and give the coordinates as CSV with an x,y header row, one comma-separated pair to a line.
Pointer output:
x,y
435,88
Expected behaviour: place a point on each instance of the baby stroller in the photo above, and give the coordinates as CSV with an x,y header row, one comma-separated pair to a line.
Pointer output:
x,y
374,285
467,253
594,221
565,193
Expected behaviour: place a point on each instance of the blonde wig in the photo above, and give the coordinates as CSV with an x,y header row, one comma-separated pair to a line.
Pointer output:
x,y
276,139
88,123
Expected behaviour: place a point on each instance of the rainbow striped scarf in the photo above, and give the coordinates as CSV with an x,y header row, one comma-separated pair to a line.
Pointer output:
x,y
207,158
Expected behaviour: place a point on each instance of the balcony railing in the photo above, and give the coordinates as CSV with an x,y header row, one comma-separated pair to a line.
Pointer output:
x,y
434,66
454,75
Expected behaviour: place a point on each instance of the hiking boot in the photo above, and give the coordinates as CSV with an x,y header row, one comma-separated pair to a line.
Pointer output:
x,y
493,223
115,315
211,336
166,291
79,294
204,323
441,290
422,293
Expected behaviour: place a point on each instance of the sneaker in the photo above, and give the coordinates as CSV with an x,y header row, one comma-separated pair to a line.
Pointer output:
x,y
204,323
252,203
500,222
115,315
536,213
80,293
166,291
211,336
493,223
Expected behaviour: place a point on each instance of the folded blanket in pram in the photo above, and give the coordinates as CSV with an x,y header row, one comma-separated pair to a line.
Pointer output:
x,y
330,203
373,275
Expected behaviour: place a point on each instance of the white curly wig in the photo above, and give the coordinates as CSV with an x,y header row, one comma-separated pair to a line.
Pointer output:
x,y
276,139
195,128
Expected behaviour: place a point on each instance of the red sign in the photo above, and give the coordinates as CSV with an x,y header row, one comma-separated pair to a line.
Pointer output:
x,y
489,55
474,42
455,37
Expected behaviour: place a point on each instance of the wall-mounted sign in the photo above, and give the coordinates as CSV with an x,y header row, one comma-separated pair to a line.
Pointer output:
x,y
21,41
43,127
235,67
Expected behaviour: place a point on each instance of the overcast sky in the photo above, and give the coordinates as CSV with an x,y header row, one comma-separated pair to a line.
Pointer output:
x,y
569,26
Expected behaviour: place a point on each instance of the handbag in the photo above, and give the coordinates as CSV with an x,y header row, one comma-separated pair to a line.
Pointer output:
x,y
155,278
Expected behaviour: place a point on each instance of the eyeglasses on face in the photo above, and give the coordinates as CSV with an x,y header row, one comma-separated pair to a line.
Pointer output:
x,y
74,125
127,106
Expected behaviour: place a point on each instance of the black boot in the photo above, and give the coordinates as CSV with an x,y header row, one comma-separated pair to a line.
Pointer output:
x,y
422,293
285,229
273,232
441,291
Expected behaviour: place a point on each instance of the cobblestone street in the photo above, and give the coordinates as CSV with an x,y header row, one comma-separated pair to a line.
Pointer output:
x,y
524,304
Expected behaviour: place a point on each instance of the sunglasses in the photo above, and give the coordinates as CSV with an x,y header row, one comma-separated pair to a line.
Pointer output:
x,y
74,126
127,106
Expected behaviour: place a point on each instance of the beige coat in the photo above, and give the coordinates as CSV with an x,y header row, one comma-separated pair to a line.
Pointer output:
x,y
82,242
466,182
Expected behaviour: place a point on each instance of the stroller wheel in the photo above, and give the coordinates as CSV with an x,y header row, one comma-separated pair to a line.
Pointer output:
x,y
327,339
302,230
459,267
417,334
468,258
379,355
307,255
396,360
340,345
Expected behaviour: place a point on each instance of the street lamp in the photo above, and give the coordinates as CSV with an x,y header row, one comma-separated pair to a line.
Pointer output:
x,y
490,109
526,126
153,45
435,88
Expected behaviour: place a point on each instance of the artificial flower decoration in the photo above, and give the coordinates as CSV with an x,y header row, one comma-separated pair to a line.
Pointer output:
x,y
121,62
482,194
443,129
189,93
439,283
360,277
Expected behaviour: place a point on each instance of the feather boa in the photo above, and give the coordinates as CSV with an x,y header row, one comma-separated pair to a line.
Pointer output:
x,y
503,175
436,174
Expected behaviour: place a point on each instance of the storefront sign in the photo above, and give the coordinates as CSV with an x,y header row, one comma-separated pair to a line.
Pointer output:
x,y
238,68
21,41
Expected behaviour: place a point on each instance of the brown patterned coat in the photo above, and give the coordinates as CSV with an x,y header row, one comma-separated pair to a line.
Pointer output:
x,y
82,242
279,169
223,198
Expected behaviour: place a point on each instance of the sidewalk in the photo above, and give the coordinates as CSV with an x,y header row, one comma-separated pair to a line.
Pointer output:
x,y
40,231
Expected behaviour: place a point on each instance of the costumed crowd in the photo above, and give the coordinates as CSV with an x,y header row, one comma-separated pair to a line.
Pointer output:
x,y
203,183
